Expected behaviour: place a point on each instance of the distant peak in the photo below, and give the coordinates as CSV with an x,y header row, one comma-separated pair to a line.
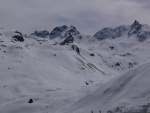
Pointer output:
x,y
136,23
135,28
57,31
40,33
72,27
64,26
60,28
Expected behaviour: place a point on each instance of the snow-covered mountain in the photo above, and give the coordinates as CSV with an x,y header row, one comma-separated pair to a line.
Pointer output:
x,y
41,33
66,71
62,34
141,32
57,31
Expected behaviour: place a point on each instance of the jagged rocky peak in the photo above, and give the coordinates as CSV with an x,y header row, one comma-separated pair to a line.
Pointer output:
x,y
142,32
70,35
68,39
135,28
63,32
136,25
72,27
60,28
57,31
41,33
73,30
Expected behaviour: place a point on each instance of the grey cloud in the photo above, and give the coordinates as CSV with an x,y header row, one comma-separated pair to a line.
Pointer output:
x,y
88,16
143,3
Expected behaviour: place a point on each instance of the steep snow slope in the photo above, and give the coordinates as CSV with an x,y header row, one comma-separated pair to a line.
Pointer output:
x,y
54,76
129,92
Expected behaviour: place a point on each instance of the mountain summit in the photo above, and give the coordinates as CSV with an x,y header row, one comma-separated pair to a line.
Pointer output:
x,y
135,28
141,32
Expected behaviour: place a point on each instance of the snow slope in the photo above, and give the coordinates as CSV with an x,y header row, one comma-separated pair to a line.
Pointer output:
x,y
129,92
54,76
66,71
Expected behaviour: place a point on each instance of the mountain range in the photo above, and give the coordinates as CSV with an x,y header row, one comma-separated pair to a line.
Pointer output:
x,y
65,71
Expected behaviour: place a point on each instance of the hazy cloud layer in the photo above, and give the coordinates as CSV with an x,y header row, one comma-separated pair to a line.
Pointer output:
x,y
88,16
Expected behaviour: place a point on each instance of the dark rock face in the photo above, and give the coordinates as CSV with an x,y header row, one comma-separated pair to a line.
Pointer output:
x,y
18,38
139,31
111,47
135,28
61,28
132,64
119,31
57,31
42,34
86,83
30,100
142,36
92,54
72,27
74,47
136,25
74,31
64,27
104,33
111,32
65,34
69,39
117,64
70,35
19,33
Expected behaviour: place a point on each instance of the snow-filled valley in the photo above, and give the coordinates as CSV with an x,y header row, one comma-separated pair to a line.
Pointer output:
x,y
65,71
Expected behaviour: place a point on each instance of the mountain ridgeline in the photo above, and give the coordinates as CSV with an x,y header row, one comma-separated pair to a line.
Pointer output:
x,y
141,32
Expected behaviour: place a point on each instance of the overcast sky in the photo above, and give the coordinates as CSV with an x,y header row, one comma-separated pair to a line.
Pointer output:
x,y
88,16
